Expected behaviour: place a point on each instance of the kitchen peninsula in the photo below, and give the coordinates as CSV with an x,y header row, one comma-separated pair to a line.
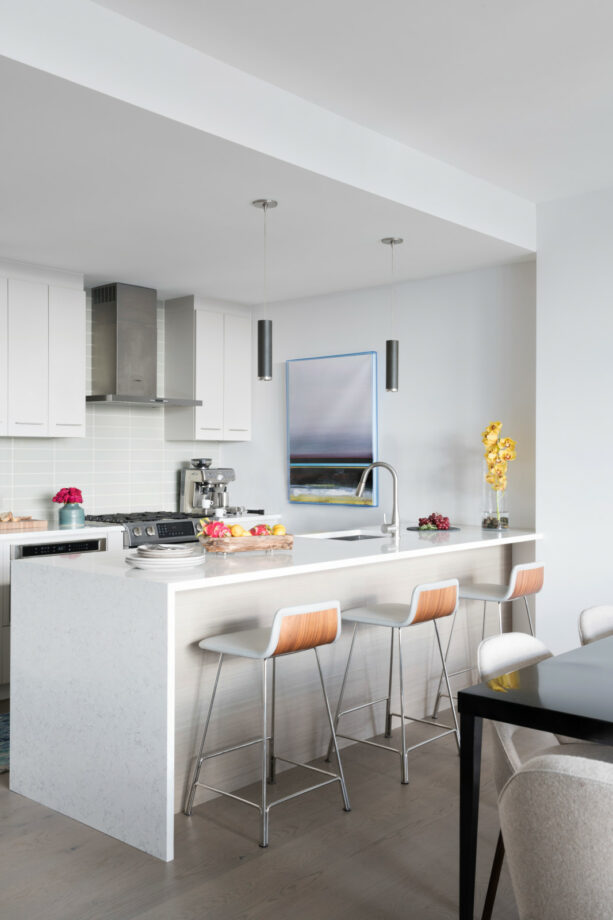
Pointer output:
x,y
109,684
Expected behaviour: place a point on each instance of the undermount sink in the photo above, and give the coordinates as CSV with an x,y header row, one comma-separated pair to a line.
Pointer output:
x,y
358,536
349,535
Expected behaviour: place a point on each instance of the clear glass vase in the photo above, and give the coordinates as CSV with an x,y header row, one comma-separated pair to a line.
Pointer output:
x,y
495,511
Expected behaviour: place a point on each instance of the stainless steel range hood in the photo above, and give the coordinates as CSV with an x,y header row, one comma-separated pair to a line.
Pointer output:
x,y
124,348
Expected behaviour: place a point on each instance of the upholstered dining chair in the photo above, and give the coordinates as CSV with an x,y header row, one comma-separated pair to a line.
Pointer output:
x,y
515,745
556,814
595,623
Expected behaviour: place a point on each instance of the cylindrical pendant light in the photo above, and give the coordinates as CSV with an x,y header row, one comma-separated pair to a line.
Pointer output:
x,y
264,349
391,345
265,325
391,365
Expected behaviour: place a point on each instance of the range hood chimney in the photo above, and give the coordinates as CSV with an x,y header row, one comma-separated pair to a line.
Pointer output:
x,y
124,348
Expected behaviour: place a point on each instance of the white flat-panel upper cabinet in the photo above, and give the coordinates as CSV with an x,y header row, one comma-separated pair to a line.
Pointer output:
x,y
237,378
208,357
209,374
28,358
66,362
42,359
4,354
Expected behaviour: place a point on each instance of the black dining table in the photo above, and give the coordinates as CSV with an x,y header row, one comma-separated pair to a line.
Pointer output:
x,y
569,694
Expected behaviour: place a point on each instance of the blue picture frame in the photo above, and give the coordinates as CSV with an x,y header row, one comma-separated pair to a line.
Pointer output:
x,y
332,433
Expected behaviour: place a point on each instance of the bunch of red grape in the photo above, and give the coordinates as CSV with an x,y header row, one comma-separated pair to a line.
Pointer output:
x,y
434,522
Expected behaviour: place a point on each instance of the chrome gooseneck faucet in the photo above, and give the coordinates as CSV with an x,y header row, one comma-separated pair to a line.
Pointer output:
x,y
392,528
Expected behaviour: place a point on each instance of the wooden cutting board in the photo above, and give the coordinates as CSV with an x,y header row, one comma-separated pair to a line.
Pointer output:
x,y
246,544
16,526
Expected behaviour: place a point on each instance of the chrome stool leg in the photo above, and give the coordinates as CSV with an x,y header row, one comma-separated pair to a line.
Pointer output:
x,y
437,702
200,759
404,758
334,741
500,616
339,705
271,753
264,803
388,718
529,617
453,712
483,626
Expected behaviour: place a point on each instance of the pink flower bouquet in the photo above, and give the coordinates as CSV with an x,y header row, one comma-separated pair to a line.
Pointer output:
x,y
69,496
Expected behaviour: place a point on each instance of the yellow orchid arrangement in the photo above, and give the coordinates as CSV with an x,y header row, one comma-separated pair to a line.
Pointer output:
x,y
499,452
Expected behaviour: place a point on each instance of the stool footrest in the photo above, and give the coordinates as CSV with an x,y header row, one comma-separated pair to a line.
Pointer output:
x,y
451,674
384,747
422,721
333,778
306,766
293,795
344,712
229,795
235,747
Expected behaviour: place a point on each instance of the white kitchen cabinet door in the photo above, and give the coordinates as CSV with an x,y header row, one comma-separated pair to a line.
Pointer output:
x,y
237,378
66,362
28,358
209,364
4,353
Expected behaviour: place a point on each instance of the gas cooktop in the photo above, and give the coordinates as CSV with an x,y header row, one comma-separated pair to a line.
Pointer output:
x,y
160,526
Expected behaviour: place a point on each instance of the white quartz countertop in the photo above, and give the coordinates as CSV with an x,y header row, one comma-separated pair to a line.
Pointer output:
x,y
54,533
308,555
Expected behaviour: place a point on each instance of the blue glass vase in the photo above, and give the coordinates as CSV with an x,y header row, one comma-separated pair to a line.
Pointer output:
x,y
71,516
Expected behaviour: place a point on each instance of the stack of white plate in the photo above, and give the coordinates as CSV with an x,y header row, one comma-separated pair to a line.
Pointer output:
x,y
166,556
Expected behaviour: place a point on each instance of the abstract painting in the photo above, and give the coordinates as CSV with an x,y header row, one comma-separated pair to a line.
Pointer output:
x,y
332,428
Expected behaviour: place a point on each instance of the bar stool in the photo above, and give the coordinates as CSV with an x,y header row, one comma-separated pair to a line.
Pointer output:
x,y
294,629
526,578
429,602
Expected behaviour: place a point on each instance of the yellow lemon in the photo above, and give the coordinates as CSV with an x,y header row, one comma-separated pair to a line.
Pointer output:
x,y
278,530
237,531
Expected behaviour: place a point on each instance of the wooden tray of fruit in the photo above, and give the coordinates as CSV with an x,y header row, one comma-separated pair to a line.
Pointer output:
x,y
217,537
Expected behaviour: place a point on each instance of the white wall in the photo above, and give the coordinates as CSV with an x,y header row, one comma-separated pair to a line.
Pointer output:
x,y
467,358
574,431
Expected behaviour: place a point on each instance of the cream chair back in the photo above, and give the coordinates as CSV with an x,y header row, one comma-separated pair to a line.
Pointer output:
x,y
556,815
595,623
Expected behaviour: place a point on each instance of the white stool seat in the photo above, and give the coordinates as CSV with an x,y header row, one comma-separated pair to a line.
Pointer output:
x,y
392,615
248,643
485,592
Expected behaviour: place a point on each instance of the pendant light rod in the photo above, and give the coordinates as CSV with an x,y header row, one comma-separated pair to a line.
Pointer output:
x,y
265,325
392,345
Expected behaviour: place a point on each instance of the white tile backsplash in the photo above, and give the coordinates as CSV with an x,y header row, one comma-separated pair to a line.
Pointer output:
x,y
123,463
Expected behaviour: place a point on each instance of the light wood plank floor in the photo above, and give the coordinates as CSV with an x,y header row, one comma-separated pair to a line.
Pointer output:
x,y
394,857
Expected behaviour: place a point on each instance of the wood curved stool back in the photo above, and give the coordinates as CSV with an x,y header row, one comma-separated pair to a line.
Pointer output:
x,y
302,628
433,601
526,579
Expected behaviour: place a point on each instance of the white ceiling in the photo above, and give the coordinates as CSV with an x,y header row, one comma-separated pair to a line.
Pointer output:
x,y
518,93
95,185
